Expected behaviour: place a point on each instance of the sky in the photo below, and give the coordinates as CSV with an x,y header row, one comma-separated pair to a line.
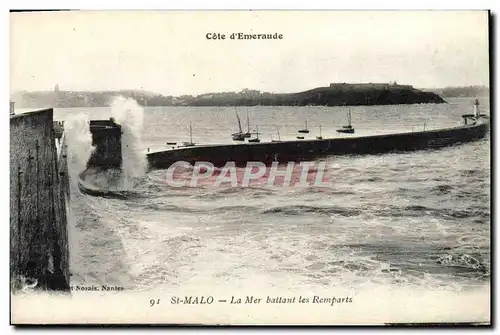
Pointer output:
x,y
167,52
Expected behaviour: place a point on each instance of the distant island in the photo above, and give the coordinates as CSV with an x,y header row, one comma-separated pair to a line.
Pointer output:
x,y
336,94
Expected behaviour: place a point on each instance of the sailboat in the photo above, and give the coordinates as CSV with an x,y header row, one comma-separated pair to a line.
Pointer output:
x,y
239,136
347,129
320,137
248,134
190,143
255,140
279,138
305,130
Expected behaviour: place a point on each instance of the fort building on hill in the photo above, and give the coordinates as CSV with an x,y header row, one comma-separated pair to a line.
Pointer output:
x,y
369,86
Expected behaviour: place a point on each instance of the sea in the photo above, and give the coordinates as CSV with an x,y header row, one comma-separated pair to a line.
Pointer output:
x,y
400,220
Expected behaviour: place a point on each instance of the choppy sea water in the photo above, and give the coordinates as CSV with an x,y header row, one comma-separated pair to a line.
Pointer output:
x,y
419,219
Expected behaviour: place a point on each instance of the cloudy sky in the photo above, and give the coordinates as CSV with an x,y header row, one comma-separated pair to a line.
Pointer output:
x,y
167,52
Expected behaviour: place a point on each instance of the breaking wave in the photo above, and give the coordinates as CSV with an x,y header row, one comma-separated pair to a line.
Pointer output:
x,y
115,183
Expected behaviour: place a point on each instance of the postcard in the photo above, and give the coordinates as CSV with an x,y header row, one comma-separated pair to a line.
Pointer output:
x,y
250,167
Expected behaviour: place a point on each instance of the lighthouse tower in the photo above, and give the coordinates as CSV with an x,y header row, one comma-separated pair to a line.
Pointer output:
x,y
476,108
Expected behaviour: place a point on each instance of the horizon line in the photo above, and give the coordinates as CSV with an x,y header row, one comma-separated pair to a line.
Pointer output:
x,y
240,90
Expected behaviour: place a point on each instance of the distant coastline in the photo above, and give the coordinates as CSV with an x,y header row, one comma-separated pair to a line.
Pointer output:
x,y
336,94
461,92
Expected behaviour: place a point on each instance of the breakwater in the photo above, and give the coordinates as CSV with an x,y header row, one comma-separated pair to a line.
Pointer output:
x,y
269,152
106,138
39,200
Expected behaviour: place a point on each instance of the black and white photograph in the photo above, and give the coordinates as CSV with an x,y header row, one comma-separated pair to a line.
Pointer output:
x,y
250,167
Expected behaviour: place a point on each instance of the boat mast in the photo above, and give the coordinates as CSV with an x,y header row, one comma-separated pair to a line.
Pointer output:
x,y
239,121
190,132
248,122
349,116
239,124
279,138
320,130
